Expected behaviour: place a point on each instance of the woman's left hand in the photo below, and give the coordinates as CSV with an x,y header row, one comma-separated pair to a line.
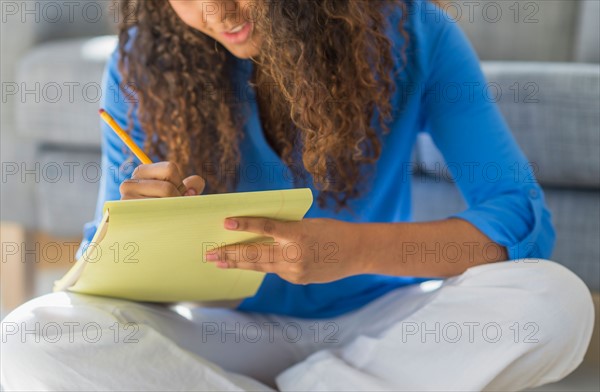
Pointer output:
x,y
308,251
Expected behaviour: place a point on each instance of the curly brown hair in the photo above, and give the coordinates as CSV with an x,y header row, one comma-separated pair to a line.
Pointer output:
x,y
323,88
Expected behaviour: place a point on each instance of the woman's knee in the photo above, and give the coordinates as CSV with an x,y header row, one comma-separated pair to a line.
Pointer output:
x,y
39,329
555,305
540,283
54,318
567,305
555,291
552,310
43,315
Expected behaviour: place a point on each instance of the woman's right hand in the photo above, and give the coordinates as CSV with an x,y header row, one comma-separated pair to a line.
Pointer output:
x,y
162,179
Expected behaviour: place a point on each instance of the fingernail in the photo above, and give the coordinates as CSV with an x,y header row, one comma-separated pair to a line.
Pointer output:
x,y
222,264
231,224
191,192
212,256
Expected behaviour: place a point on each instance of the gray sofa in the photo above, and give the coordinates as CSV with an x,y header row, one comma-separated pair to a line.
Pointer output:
x,y
59,138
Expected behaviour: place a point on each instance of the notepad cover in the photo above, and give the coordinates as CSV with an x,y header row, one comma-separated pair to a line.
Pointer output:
x,y
153,249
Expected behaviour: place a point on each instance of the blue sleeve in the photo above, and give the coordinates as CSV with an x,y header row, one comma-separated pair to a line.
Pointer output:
x,y
504,200
117,163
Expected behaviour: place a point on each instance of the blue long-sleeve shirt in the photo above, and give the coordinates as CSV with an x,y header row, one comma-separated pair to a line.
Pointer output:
x,y
441,91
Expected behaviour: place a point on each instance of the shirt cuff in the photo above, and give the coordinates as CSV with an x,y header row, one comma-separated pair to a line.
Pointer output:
x,y
500,222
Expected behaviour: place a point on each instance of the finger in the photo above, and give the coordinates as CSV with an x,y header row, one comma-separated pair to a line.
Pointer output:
x,y
251,256
165,171
182,189
194,185
272,268
135,189
133,197
263,226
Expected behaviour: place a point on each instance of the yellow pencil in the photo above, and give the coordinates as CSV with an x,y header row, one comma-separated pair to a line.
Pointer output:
x,y
125,137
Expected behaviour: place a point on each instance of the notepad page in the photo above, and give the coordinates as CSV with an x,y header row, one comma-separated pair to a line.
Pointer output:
x,y
154,249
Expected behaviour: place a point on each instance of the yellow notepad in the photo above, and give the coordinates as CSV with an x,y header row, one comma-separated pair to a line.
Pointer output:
x,y
153,249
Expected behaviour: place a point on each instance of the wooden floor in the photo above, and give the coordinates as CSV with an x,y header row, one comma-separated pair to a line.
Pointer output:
x,y
25,252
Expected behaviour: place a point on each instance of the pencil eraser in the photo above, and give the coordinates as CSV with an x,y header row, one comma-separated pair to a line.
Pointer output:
x,y
101,110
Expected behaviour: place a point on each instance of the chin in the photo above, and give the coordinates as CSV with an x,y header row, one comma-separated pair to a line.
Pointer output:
x,y
243,53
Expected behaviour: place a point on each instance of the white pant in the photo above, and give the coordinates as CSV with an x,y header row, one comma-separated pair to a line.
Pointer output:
x,y
503,326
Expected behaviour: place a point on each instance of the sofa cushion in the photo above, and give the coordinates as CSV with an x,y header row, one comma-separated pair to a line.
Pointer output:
x,y
534,30
434,198
588,32
67,189
53,20
576,217
59,88
552,110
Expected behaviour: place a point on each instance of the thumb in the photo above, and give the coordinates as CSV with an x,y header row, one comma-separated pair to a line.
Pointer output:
x,y
194,185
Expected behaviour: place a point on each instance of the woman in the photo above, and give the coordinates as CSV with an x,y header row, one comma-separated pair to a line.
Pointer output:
x,y
328,94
